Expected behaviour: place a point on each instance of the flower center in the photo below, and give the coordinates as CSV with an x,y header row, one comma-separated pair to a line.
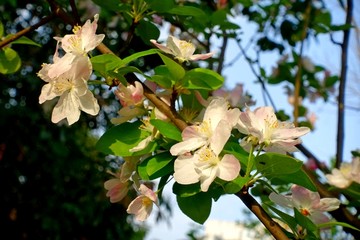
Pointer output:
x,y
206,155
61,86
146,201
187,49
205,129
305,212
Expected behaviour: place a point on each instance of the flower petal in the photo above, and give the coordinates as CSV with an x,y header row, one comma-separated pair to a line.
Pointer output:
x,y
229,167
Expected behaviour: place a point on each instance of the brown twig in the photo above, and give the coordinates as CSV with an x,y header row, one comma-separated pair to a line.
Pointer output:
x,y
25,31
343,76
259,212
222,53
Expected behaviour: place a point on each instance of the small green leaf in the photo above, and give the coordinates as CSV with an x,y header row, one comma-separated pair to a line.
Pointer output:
x,y
272,164
26,41
285,217
299,178
10,61
137,55
120,139
158,162
161,6
147,31
186,190
188,11
196,207
236,185
105,62
334,223
202,78
167,129
176,70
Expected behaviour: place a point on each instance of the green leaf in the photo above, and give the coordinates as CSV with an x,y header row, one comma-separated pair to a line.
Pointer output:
x,y
26,41
162,77
158,165
201,78
147,31
137,55
176,70
334,223
161,6
10,61
236,185
186,190
271,164
304,221
120,139
188,11
196,207
167,129
299,178
105,62
285,217
113,6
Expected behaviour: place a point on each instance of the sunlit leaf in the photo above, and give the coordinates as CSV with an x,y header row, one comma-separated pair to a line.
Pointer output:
x,y
10,61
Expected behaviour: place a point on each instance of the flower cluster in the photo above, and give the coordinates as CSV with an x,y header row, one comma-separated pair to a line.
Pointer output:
x,y
67,76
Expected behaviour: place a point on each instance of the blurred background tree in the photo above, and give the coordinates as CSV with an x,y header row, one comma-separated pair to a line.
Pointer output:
x,y
51,176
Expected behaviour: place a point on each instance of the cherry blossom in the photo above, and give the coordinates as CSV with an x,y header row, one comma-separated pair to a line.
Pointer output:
x,y
208,139
216,124
307,202
117,189
72,88
76,46
131,98
346,174
181,50
264,129
142,205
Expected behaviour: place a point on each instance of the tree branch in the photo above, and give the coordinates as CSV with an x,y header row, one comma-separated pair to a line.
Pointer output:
x,y
259,212
343,76
26,30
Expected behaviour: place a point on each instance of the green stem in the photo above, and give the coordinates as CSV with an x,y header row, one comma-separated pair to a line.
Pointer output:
x,y
250,163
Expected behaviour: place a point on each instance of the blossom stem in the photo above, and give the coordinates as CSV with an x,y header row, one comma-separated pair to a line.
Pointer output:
x,y
250,162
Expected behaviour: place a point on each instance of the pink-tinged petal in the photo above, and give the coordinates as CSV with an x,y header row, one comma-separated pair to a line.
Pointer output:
x,y
204,56
144,190
281,200
140,208
337,179
187,146
319,218
328,204
88,103
303,197
67,107
174,45
190,132
117,190
184,170
290,132
220,136
161,47
61,66
229,167
128,168
232,116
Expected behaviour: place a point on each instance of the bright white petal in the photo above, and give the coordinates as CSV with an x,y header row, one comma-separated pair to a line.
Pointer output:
x,y
187,146
337,179
88,103
184,170
229,168
67,107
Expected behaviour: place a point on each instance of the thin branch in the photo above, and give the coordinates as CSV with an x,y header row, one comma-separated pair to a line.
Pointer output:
x,y
343,76
299,63
75,12
26,30
222,53
259,212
